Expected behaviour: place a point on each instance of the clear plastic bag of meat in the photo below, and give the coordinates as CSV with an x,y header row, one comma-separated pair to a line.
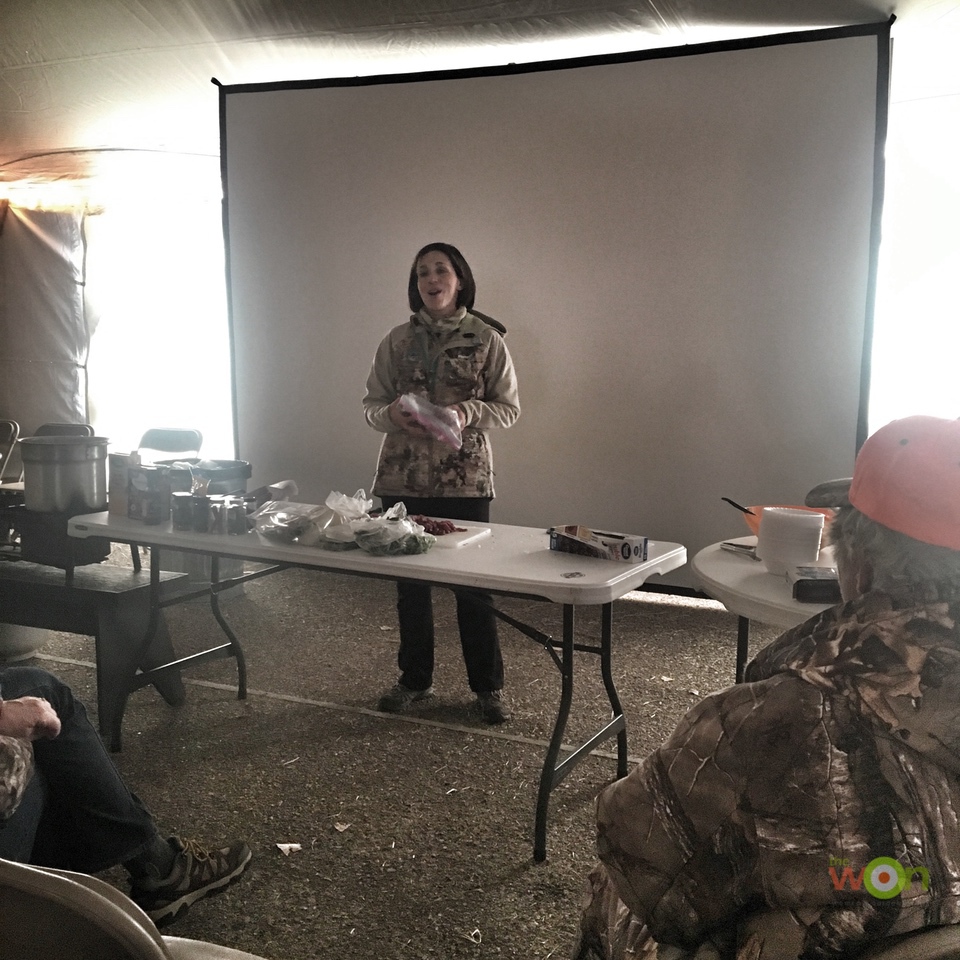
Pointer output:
x,y
442,423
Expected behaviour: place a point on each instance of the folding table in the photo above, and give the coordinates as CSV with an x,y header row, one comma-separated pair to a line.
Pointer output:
x,y
742,584
512,561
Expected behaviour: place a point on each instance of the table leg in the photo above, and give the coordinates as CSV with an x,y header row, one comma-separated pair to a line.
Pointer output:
x,y
743,646
554,772
236,650
127,640
606,636
550,776
134,649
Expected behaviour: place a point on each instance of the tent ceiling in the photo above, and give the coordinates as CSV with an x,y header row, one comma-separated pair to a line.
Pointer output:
x,y
85,75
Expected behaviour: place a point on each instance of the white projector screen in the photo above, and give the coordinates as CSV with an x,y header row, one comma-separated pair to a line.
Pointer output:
x,y
681,243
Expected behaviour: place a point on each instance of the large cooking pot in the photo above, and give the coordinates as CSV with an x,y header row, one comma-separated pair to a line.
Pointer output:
x,y
64,474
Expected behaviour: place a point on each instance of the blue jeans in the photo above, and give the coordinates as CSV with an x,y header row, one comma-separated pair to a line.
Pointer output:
x,y
477,623
76,813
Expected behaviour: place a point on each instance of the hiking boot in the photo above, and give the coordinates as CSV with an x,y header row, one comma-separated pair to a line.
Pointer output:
x,y
492,707
399,697
196,873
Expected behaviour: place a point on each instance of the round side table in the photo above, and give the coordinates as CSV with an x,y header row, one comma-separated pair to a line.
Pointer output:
x,y
743,585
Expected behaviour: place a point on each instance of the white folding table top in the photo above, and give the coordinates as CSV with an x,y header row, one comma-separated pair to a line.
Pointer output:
x,y
513,560
745,587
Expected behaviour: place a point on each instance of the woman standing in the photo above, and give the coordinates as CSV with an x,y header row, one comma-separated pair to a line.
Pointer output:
x,y
454,359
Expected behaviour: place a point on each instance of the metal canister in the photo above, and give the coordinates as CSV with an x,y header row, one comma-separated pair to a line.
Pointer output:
x,y
182,510
64,474
218,514
201,512
236,516
148,494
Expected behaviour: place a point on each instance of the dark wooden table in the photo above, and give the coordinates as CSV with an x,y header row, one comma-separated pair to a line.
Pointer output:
x,y
111,604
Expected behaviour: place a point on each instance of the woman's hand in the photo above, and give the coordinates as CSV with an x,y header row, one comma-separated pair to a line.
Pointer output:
x,y
407,420
404,421
29,718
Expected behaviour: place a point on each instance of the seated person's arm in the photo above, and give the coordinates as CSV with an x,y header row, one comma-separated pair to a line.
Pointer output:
x,y
29,718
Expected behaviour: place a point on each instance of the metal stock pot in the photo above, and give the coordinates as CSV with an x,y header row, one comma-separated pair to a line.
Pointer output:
x,y
64,474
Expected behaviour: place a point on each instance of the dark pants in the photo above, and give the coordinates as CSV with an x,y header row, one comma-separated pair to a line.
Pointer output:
x,y
76,813
477,622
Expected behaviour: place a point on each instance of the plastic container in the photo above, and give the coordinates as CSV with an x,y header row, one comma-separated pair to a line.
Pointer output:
x,y
222,476
788,538
753,519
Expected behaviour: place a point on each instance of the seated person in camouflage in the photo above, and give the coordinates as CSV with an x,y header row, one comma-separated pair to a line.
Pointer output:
x,y
813,810
63,804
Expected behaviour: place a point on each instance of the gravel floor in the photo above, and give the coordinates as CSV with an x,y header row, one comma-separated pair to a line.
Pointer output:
x,y
414,832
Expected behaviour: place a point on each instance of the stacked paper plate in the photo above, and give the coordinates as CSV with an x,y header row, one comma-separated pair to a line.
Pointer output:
x,y
788,537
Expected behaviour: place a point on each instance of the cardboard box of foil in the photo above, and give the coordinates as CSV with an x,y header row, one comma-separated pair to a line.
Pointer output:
x,y
574,538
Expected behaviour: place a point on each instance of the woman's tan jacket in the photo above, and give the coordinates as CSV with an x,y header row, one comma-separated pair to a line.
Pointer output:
x,y
465,363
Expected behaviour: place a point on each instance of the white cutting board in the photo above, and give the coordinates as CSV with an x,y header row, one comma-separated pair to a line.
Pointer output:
x,y
464,537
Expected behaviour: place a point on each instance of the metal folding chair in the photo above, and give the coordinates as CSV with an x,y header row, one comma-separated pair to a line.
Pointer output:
x,y
171,443
9,432
166,443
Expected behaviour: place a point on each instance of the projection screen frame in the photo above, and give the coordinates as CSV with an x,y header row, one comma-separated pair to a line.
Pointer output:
x,y
879,31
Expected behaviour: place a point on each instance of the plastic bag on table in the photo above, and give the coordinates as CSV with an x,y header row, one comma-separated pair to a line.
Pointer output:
x,y
337,533
280,490
391,534
312,525
442,423
292,522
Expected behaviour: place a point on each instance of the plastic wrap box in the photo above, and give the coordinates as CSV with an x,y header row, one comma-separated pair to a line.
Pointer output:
x,y
573,538
814,584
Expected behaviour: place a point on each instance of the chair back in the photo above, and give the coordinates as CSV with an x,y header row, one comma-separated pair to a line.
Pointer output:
x,y
931,943
169,443
57,915
50,914
9,432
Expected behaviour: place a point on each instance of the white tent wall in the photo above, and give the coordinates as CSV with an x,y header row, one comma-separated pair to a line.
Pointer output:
x,y
159,356
917,320
136,73
99,75
116,315
43,333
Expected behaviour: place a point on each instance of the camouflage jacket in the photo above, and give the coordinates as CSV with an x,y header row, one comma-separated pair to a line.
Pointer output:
x,y
467,364
825,792
16,769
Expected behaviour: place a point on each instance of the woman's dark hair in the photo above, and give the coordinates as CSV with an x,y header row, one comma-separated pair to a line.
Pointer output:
x,y
468,286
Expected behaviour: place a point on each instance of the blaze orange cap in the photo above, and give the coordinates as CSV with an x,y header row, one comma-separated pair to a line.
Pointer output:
x,y
907,477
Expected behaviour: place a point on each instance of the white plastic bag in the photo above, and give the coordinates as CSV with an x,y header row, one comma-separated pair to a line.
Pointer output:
x,y
311,524
293,522
336,532
349,508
